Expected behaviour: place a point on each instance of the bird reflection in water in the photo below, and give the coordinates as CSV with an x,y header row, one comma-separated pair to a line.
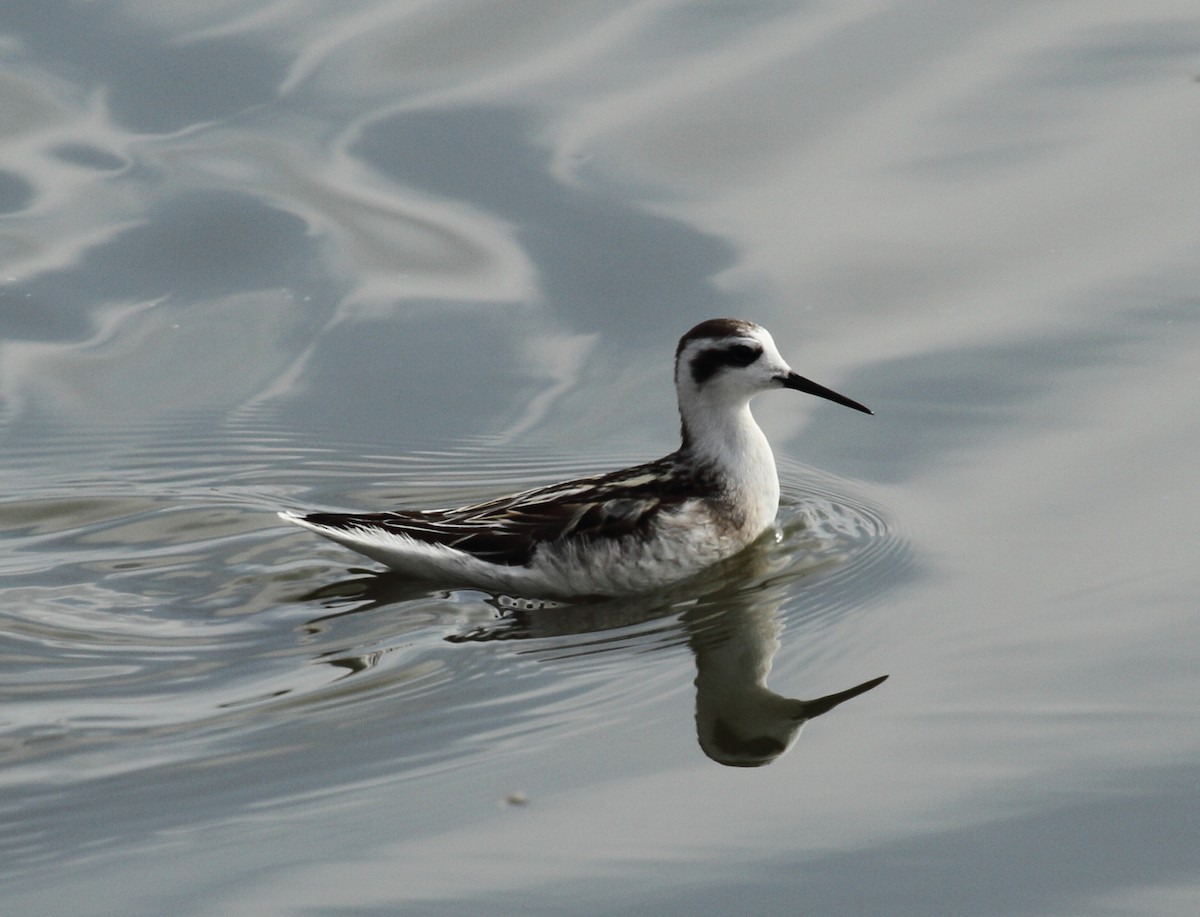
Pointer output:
x,y
731,621
741,722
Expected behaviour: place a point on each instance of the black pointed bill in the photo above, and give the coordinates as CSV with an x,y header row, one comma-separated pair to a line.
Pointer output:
x,y
800,384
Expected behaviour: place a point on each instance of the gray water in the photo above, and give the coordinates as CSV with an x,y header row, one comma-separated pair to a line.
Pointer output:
x,y
264,255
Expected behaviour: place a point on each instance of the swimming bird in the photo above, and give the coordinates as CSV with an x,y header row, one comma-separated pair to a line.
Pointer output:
x,y
626,531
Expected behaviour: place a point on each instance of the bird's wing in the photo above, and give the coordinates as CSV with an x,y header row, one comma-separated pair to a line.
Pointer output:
x,y
508,530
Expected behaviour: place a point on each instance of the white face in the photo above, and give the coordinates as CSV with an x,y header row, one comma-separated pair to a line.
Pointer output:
x,y
737,365
730,361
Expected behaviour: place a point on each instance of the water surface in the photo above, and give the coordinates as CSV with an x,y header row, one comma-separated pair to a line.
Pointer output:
x,y
276,255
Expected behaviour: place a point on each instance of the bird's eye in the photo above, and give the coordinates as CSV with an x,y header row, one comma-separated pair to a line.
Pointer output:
x,y
743,354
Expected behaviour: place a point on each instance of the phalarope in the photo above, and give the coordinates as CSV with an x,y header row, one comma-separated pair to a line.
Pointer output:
x,y
626,531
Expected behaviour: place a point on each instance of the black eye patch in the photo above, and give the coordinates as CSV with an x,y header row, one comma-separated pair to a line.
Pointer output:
x,y
706,363
743,354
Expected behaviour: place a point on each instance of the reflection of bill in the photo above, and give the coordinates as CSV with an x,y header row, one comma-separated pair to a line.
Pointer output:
x,y
739,720
763,725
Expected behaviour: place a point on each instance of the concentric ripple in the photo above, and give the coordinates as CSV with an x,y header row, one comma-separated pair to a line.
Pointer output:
x,y
168,611
834,552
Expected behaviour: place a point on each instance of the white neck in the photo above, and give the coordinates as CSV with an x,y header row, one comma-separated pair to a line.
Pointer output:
x,y
726,438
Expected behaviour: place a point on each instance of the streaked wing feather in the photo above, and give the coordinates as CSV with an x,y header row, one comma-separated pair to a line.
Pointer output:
x,y
508,530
